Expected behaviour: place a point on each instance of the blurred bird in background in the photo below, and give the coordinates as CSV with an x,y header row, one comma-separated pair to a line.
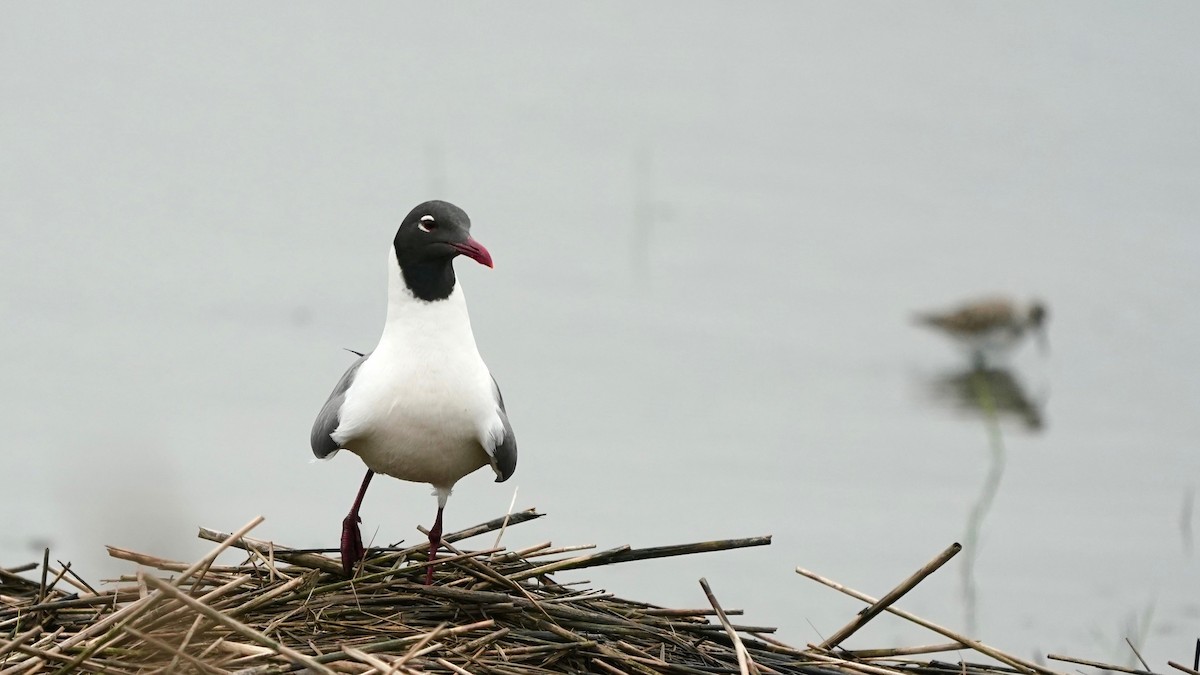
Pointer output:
x,y
990,329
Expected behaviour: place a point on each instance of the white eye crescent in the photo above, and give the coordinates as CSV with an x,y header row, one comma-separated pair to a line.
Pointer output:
x,y
425,224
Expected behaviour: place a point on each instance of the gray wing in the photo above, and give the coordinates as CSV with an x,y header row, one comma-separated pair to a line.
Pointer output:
x,y
503,453
321,436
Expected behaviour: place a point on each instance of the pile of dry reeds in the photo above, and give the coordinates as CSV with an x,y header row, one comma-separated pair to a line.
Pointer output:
x,y
489,611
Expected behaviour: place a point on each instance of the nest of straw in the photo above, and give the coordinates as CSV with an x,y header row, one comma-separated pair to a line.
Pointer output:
x,y
488,611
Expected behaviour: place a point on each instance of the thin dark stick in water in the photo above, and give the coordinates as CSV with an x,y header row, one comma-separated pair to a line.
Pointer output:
x,y
891,597
1137,654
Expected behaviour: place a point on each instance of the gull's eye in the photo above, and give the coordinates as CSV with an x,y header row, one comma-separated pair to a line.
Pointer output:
x,y
426,224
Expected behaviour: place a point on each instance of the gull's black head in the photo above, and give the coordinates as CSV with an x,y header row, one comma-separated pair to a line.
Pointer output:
x,y
426,244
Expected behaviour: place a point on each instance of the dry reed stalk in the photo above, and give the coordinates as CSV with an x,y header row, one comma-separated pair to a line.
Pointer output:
x,y
404,641
377,663
745,663
45,570
490,611
450,666
48,655
112,625
310,560
608,668
271,595
146,559
117,596
88,587
903,651
682,549
560,549
207,560
173,614
666,611
187,639
235,625
496,576
171,649
506,520
570,563
62,575
509,556
892,596
243,649
507,515
10,645
420,644
853,665
1019,664
313,561
1098,664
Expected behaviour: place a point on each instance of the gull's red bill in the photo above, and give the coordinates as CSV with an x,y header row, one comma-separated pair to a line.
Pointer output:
x,y
474,250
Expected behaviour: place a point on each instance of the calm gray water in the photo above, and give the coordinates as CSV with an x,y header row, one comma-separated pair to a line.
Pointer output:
x,y
711,224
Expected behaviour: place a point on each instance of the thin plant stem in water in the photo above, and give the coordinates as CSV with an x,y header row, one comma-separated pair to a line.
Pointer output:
x,y
987,495
1185,519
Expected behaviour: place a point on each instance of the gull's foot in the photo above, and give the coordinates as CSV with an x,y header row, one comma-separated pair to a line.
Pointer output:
x,y
352,546
435,540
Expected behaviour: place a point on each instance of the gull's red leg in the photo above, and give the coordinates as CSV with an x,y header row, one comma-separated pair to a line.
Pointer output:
x,y
435,539
352,546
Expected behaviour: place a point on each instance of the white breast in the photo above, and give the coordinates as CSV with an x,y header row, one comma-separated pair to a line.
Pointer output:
x,y
421,403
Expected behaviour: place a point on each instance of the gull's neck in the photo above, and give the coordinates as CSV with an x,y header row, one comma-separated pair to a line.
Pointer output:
x,y
413,323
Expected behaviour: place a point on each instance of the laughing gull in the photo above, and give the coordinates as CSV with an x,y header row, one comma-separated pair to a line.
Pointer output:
x,y
422,406
989,327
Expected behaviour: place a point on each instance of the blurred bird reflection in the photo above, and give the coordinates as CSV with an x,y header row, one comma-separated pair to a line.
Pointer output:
x,y
973,390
